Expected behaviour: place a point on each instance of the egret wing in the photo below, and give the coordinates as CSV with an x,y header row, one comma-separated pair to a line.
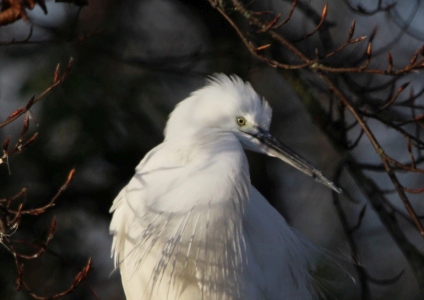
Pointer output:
x,y
281,259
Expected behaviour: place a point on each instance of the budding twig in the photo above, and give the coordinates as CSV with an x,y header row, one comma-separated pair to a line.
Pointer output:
x,y
287,19
20,111
319,25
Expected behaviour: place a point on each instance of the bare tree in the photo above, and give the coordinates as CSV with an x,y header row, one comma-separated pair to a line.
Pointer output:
x,y
12,208
340,72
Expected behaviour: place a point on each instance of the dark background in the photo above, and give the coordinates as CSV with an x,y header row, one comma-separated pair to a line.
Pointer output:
x,y
143,57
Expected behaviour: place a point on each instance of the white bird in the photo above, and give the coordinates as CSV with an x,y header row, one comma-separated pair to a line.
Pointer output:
x,y
189,224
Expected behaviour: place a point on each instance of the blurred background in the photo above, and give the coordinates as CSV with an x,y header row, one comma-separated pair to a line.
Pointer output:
x,y
133,62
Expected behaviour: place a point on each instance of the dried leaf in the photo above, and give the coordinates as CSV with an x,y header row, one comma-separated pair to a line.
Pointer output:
x,y
10,13
13,10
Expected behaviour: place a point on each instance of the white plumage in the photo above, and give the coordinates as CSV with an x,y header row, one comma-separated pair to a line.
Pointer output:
x,y
189,224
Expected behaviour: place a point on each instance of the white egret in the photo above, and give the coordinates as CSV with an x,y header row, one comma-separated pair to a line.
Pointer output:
x,y
189,224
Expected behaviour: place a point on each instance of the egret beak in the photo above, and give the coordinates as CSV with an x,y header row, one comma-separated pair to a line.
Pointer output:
x,y
273,147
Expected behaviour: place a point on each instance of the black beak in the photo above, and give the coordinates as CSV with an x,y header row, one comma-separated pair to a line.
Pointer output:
x,y
274,147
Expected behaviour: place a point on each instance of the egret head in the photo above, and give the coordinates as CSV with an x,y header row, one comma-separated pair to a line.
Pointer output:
x,y
225,104
229,105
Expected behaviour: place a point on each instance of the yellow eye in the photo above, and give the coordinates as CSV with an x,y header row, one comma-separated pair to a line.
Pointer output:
x,y
241,121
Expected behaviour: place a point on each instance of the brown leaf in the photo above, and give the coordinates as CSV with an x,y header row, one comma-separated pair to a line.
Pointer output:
x,y
10,14
13,10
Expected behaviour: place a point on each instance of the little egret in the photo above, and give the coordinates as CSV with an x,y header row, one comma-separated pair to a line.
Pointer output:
x,y
189,224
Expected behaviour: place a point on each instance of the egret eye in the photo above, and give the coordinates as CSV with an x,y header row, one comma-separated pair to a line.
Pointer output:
x,y
241,121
